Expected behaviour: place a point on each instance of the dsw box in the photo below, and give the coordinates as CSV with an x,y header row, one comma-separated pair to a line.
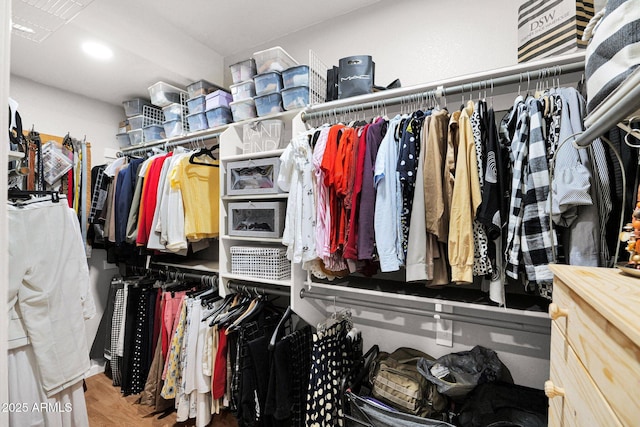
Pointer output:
x,y
549,28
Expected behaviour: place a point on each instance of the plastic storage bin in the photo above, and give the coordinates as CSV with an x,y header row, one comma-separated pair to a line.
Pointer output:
x,y
219,116
243,110
173,128
135,136
219,98
153,132
262,136
268,104
296,76
274,59
133,107
136,122
174,111
243,70
201,87
266,83
296,97
261,262
163,94
197,104
242,91
197,121
123,139
256,219
253,176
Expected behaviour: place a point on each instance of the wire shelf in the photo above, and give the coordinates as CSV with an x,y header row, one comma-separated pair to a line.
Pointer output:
x,y
317,79
151,116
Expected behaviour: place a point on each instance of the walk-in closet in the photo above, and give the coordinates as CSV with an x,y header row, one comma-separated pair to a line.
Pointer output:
x,y
362,213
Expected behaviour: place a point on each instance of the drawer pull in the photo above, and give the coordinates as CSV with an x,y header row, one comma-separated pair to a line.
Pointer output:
x,y
555,312
551,390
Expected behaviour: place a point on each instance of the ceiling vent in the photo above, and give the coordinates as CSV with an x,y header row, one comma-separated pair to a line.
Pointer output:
x,y
38,19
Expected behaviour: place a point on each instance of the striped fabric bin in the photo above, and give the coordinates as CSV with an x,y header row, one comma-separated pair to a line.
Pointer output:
x,y
548,28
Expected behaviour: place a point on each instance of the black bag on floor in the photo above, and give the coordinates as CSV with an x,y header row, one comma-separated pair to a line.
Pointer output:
x,y
504,405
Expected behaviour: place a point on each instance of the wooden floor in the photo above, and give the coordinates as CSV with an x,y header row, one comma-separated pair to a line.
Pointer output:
x,y
107,407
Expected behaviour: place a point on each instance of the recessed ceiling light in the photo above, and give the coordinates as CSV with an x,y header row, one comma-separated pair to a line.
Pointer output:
x,y
23,28
97,50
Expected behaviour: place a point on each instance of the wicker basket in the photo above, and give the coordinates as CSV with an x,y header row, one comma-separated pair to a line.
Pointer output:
x,y
262,262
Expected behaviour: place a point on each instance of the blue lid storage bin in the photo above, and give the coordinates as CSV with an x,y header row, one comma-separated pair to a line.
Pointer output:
x,y
219,98
296,76
174,111
197,121
243,110
268,104
197,104
242,91
219,116
153,133
296,97
173,128
266,83
201,87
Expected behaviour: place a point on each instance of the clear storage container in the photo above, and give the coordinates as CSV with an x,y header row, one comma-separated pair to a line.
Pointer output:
x,y
133,107
219,116
123,139
201,87
135,136
242,91
174,111
197,104
274,59
253,176
266,83
296,76
136,122
256,219
163,94
173,128
153,132
296,97
197,121
268,104
219,98
243,110
243,70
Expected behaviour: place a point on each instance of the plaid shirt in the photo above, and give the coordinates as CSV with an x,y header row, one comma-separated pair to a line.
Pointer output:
x,y
529,239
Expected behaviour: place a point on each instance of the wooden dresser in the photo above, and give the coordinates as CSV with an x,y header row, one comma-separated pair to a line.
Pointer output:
x,y
595,348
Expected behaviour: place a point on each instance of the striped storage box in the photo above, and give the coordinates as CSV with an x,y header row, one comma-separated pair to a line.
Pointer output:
x,y
548,28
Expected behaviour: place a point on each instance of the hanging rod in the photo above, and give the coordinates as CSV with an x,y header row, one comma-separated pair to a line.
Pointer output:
x,y
519,74
257,288
517,326
172,274
172,142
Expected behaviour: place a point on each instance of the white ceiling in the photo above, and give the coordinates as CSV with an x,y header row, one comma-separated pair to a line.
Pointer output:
x,y
174,41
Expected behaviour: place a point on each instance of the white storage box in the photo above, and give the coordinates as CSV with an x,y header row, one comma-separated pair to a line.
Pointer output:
x,y
174,111
133,107
135,136
268,104
261,261
262,135
243,110
219,98
197,104
296,76
197,122
173,128
218,116
296,97
242,91
153,132
274,59
243,70
253,176
136,122
123,139
163,94
266,83
256,219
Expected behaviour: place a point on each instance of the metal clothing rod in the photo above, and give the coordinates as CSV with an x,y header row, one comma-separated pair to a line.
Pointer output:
x,y
257,288
521,74
167,143
517,326
171,274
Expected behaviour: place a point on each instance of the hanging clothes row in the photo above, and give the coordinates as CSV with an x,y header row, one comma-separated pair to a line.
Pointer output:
x,y
166,202
449,196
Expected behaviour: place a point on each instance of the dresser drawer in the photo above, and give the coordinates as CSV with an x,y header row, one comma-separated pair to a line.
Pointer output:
x,y
612,360
574,399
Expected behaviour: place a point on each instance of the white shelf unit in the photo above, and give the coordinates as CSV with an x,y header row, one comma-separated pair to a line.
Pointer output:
x,y
15,155
231,151
205,266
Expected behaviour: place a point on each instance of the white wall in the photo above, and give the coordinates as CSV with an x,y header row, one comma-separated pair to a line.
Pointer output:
x,y
56,112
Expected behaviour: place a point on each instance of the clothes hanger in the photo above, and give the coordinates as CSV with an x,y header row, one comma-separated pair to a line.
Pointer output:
x,y
205,151
281,324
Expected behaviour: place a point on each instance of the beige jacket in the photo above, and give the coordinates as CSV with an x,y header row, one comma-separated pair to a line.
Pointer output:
x,y
436,200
